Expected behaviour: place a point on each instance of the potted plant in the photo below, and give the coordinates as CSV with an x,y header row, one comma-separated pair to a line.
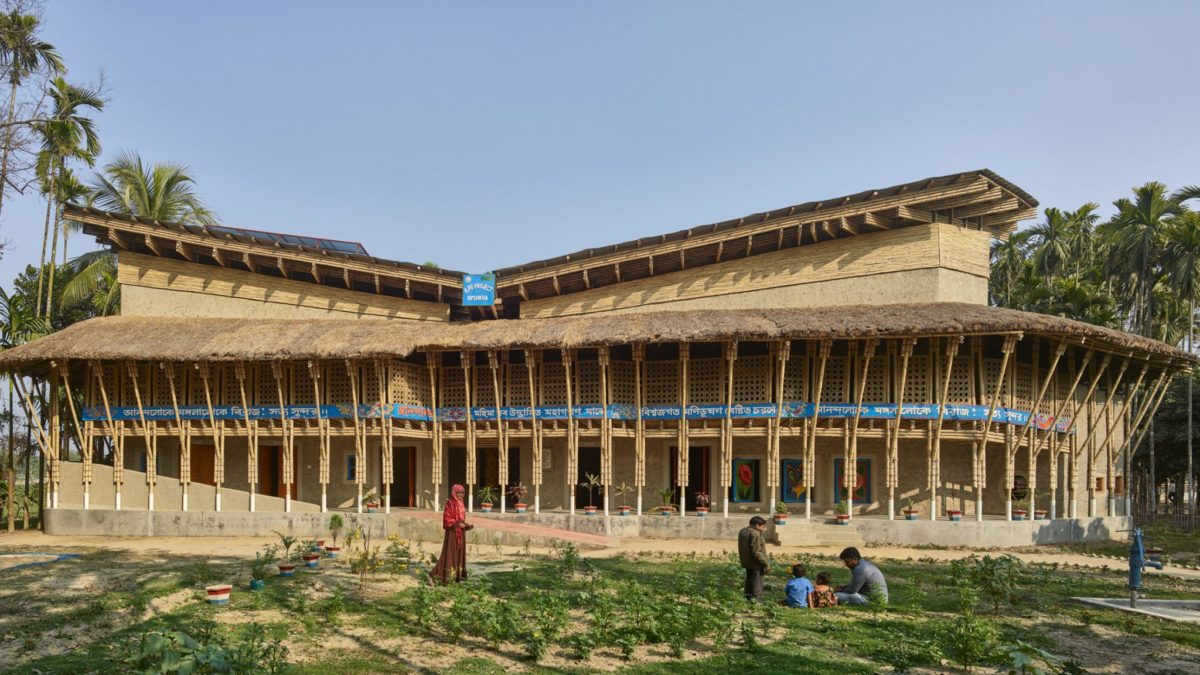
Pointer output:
x,y
1020,509
954,514
487,496
371,501
336,523
621,491
781,513
590,481
518,492
910,511
841,513
667,495
702,502
261,567
1040,514
219,594
286,564
310,556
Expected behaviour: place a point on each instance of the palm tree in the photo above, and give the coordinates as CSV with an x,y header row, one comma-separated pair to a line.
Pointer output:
x,y
159,191
22,54
1052,245
1082,240
1136,233
1186,194
66,134
1183,270
1008,260
18,324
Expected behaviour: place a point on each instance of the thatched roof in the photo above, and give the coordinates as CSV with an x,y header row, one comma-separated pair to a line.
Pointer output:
x,y
211,339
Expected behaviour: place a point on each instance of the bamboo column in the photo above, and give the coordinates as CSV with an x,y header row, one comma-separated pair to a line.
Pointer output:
x,y
1052,434
681,457
53,459
1106,447
432,360
360,441
935,456
117,435
531,357
810,459
850,475
383,402
314,374
501,436
288,439
1094,422
639,431
239,370
1034,446
727,427
149,439
572,468
605,426
218,436
35,423
783,352
185,448
467,362
893,462
82,436
1010,342
1087,398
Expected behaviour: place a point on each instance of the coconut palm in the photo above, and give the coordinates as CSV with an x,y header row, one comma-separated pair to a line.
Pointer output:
x,y
1183,270
127,185
18,324
1136,233
22,54
1008,260
67,134
1052,240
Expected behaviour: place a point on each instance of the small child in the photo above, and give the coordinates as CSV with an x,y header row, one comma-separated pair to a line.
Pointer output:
x,y
823,592
799,590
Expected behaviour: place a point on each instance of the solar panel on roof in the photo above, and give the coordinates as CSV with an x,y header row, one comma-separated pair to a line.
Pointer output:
x,y
339,245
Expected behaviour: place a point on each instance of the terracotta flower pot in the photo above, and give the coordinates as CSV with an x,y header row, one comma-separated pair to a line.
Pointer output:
x,y
843,518
910,514
486,507
520,508
702,511
781,518
589,510
954,514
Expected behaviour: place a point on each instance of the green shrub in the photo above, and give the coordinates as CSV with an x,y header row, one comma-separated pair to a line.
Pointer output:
x,y
179,652
969,640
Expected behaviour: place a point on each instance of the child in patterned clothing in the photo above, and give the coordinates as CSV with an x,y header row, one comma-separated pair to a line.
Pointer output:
x,y
823,592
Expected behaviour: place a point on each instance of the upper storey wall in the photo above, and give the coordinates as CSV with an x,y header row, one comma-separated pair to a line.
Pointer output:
x,y
153,286
935,262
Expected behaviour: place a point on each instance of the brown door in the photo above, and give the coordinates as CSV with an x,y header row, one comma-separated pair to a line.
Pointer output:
x,y
404,466
270,471
698,476
204,459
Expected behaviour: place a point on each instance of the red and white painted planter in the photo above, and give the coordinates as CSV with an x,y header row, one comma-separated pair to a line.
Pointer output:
x,y
843,518
589,510
486,507
1039,515
310,560
624,510
1019,514
332,551
665,512
520,508
954,514
781,518
910,515
287,570
219,594
701,511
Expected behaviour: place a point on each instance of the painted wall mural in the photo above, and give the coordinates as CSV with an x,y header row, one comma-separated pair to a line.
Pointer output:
x,y
862,481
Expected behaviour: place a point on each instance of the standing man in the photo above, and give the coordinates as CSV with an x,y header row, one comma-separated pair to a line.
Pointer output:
x,y
865,580
753,554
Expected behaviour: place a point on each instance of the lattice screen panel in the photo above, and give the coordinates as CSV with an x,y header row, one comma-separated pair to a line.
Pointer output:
x,y
704,381
336,387
195,386
452,388
916,384
960,380
517,387
878,383
1024,386
794,379
141,371
662,382
991,375
752,379
302,384
231,393
162,386
266,391
482,389
587,382
409,383
624,386
368,383
836,380
553,386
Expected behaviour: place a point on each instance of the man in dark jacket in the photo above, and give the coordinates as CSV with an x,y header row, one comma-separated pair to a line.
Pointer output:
x,y
753,553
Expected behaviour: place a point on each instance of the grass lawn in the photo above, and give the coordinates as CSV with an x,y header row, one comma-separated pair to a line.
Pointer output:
x,y
108,611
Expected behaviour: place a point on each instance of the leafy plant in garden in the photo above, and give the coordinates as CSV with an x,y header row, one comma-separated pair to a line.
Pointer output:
x,y
261,567
179,652
287,541
591,481
995,578
486,495
336,525
548,615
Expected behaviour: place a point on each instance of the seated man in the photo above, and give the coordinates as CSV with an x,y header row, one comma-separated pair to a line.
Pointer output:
x,y
865,581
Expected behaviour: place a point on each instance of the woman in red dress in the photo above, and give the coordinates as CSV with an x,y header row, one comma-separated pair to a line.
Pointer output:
x,y
452,564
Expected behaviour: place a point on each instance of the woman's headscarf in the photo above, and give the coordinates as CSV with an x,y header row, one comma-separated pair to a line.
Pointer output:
x,y
455,489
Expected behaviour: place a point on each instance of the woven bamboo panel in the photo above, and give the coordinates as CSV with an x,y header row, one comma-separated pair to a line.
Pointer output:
x,y
482,390
195,387
517,384
553,386
587,382
162,386
409,382
960,380
1024,386
452,388
337,386
991,375
128,398
231,393
266,390
752,379
368,385
704,381
794,379
836,380
624,386
662,382
302,384
916,383
878,383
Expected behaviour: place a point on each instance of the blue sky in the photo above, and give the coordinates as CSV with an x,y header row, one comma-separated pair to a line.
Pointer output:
x,y
485,134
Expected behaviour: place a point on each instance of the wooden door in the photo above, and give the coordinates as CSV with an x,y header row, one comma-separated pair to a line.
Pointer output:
x,y
204,458
270,471
404,478
698,475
